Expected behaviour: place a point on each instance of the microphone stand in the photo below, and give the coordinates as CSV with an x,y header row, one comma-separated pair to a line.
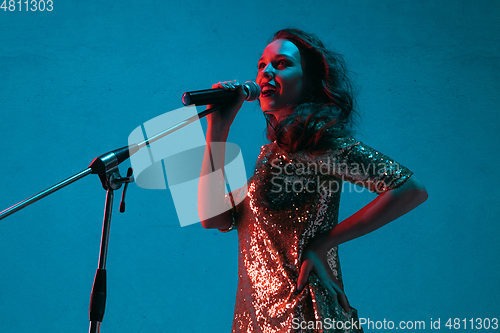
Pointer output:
x,y
106,167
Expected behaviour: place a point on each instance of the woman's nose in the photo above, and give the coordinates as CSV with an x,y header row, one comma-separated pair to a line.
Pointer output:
x,y
269,71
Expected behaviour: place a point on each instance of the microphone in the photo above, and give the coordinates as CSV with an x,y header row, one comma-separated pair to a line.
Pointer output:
x,y
219,96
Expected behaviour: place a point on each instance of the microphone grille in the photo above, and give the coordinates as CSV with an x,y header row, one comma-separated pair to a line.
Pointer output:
x,y
252,89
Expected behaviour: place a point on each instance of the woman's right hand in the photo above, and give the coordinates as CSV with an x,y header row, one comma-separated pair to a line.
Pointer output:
x,y
223,118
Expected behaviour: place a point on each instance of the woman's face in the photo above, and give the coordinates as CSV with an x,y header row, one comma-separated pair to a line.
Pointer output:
x,y
280,78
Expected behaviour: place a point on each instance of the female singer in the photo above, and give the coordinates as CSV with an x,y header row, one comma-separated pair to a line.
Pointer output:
x,y
289,277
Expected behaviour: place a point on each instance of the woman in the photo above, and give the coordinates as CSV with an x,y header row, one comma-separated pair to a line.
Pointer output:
x,y
289,273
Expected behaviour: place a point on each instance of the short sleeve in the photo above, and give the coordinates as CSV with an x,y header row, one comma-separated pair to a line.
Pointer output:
x,y
357,163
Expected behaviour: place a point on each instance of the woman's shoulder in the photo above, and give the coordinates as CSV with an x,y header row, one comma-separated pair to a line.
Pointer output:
x,y
344,142
268,148
337,144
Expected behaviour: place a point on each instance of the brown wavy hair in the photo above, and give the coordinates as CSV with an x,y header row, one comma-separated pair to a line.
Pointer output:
x,y
326,110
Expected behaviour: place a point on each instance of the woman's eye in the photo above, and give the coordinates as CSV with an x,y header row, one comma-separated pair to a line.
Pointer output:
x,y
282,63
261,65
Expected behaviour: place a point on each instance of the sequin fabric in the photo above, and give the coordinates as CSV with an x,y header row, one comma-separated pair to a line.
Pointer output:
x,y
291,199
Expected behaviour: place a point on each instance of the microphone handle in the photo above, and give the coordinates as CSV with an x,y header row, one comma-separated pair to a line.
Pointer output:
x,y
208,96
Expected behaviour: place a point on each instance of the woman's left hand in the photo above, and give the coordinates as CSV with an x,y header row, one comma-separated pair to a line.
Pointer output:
x,y
315,259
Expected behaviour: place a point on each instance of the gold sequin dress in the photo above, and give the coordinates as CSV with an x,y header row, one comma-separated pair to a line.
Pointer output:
x,y
291,198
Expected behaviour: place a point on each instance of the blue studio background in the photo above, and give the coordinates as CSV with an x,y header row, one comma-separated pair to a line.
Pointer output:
x,y
74,82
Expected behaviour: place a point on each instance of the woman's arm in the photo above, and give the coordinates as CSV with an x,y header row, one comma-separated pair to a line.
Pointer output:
x,y
387,207
211,186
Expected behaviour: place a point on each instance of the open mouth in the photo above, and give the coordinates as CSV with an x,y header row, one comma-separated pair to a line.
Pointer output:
x,y
267,90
